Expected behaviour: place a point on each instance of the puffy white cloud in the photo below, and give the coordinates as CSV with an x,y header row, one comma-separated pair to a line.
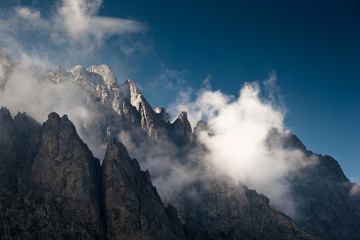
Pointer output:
x,y
238,146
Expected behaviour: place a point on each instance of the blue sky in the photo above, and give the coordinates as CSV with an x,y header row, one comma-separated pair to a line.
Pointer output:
x,y
172,46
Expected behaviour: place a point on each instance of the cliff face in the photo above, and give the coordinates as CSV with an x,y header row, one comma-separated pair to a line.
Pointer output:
x,y
19,143
134,209
66,174
219,210
53,188
326,206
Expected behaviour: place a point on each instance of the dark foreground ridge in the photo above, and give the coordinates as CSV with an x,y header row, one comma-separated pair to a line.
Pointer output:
x,y
53,188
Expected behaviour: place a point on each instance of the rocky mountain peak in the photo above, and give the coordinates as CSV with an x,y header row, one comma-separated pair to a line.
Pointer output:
x,y
66,174
181,129
4,113
89,80
183,117
78,69
53,120
58,74
133,208
107,75
136,98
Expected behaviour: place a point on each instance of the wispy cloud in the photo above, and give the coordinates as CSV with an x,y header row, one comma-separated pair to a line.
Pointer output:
x,y
169,79
73,28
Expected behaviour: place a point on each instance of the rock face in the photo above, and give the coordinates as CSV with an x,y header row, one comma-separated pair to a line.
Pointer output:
x,y
322,193
19,142
325,203
67,175
123,107
181,132
134,209
220,210
53,188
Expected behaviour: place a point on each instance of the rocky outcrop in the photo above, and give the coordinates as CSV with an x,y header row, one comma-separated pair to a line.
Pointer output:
x,y
53,188
180,130
67,175
324,201
216,209
134,209
107,75
19,143
322,194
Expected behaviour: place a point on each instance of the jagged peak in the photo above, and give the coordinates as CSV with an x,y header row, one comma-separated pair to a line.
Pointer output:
x,y
132,87
118,146
106,73
54,120
5,112
183,116
130,82
135,96
77,68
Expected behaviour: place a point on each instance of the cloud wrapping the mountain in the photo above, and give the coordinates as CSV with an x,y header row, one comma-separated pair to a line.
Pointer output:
x,y
239,145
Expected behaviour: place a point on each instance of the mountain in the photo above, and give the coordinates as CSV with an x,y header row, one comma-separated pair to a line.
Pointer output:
x,y
66,194
52,186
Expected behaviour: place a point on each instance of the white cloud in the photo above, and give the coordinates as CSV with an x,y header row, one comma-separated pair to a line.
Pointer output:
x,y
78,19
238,144
72,30
355,190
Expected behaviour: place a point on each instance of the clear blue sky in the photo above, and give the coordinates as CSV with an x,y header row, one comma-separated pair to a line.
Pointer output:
x,y
313,46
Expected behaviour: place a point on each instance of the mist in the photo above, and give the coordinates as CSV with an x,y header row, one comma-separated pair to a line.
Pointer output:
x,y
238,142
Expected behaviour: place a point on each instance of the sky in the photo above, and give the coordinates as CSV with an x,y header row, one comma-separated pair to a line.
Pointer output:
x,y
171,47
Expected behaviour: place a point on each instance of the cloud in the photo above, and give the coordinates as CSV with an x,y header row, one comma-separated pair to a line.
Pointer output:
x,y
355,190
168,173
169,79
72,30
79,21
238,146
355,179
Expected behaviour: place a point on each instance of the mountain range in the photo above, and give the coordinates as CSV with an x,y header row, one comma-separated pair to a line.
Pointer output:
x,y
117,168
